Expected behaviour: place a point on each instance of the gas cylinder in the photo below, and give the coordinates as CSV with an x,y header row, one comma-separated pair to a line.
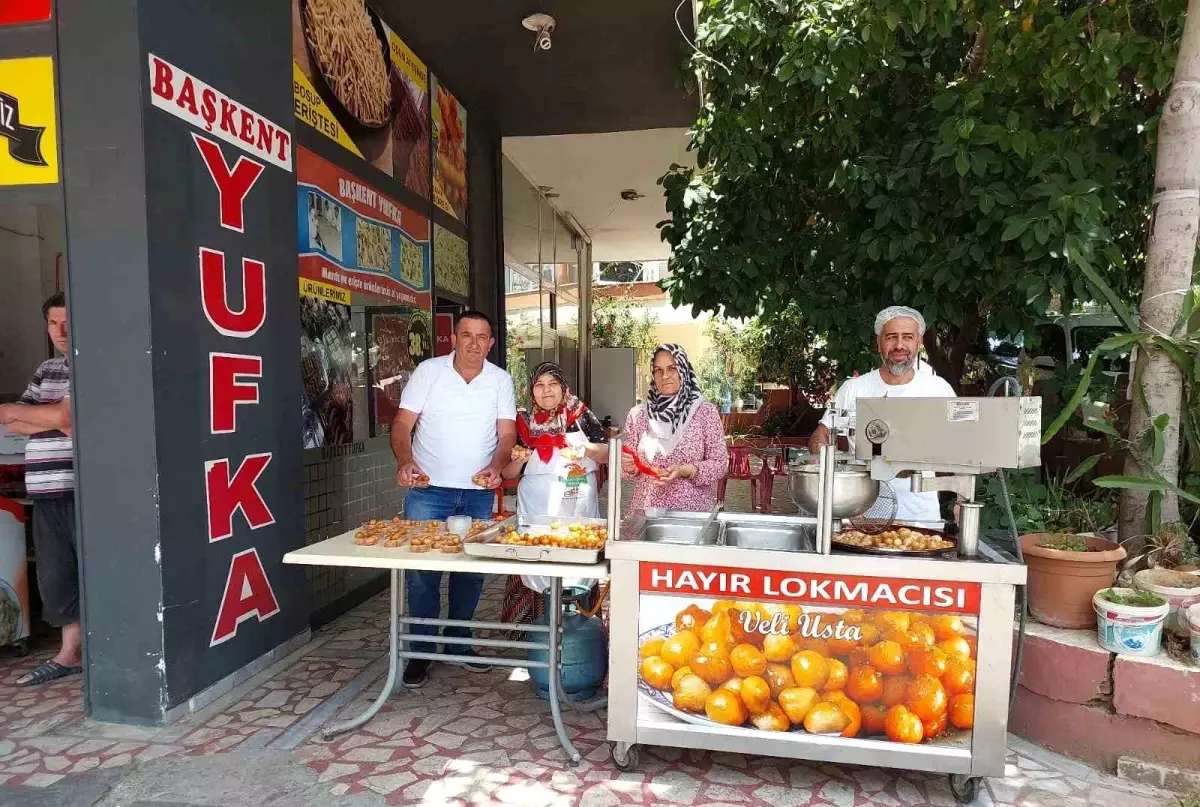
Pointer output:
x,y
584,654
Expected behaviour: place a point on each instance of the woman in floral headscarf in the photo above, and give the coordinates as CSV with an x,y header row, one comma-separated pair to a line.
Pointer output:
x,y
678,439
561,445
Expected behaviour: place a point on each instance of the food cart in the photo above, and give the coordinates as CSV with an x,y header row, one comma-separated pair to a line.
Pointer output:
x,y
810,638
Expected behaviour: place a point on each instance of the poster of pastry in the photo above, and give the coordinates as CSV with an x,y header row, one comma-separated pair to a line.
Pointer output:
x,y
451,262
836,655
329,372
357,83
450,148
400,339
410,127
357,243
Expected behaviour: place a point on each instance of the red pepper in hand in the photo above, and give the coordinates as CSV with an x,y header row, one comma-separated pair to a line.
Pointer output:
x,y
642,467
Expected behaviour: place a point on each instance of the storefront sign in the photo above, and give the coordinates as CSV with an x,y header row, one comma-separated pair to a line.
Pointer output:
x,y
382,116
19,12
188,98
235,498
355,238
836,655
450,170
28,128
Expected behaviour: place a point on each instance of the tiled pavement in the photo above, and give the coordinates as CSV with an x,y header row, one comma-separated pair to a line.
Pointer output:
x,y
464,739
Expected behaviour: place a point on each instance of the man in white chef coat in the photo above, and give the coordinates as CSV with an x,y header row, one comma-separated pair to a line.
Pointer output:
x,y
898,334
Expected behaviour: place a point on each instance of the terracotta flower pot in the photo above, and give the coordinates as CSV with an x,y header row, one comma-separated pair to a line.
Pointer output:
x,y
1061,584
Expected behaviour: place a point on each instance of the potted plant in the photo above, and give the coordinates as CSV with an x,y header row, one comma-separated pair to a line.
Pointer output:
x,y
1065,571
1130,621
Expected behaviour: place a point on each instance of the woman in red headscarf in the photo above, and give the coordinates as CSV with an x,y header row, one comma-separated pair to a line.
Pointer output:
x,y
561,445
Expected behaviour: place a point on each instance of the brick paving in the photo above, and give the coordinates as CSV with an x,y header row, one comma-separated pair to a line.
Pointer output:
x,y
464,739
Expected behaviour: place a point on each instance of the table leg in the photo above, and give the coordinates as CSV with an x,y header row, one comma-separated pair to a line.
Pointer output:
x,y
389,686
555,646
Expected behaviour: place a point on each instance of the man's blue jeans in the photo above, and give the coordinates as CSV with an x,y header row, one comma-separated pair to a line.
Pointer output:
x,y
424,588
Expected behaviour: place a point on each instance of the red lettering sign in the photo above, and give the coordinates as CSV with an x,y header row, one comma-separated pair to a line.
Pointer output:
x,y
227,388
811,587
232,185
248,593
17,12
226,495
443,328
215,299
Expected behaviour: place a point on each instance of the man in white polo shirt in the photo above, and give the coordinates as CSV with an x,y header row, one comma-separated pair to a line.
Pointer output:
x,y
465,417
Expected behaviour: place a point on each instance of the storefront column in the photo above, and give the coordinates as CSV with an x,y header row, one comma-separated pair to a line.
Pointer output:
x,y
177,129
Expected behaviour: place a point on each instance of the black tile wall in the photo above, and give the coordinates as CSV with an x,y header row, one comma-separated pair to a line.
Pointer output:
x,y
343,487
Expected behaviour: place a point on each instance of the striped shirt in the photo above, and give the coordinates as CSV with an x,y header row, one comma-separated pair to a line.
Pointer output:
x,y
49,456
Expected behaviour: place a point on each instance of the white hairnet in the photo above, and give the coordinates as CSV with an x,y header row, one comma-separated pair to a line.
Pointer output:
x,y
892,312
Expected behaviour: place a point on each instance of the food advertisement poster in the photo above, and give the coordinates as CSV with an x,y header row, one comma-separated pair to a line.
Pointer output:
x,y
28,125
444,330
400,339
329,371
357,83
356,242
451,262
838,655
450,143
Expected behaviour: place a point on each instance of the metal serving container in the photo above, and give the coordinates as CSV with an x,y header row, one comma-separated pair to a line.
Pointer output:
x,y
484,545
741,530
854,491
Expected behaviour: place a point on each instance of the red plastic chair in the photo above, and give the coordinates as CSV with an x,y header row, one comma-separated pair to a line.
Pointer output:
x,y
773,465
506,485
739,468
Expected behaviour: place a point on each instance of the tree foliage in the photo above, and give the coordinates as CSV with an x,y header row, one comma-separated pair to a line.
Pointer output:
x,y
731,364
972,159
621,322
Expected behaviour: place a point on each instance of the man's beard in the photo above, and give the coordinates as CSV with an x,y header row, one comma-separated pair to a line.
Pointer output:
x,y
901,368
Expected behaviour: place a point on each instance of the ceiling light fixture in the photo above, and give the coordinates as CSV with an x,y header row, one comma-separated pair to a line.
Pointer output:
x,y
542,26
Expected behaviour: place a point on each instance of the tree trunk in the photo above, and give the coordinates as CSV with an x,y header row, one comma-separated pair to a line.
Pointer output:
x,y
1176,214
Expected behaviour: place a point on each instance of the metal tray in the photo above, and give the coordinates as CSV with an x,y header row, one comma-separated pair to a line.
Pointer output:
x,y
902,553
484,544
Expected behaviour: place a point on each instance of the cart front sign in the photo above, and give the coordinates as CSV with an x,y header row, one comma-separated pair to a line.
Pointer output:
x,y
826,589
806,653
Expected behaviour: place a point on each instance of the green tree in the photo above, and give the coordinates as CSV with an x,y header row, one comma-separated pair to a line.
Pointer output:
x,y
621,272
974,160
792,353
620,322
732,362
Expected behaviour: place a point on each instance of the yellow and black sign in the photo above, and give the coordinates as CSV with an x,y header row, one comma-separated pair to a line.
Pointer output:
x,y
28,129
312,109
324,291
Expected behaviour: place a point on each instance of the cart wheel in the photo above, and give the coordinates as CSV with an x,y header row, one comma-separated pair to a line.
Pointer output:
x,y
964,788
626,757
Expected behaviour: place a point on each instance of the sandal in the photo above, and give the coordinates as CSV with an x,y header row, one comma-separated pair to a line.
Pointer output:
x,y
47,671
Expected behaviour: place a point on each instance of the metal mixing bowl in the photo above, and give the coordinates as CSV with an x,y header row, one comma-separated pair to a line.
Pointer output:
x,y
854,491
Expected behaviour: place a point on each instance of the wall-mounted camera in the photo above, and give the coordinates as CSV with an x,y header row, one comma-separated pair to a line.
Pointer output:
x,y
542,26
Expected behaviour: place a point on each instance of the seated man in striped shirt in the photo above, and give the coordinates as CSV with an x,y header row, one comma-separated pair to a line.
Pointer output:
x,y
44,414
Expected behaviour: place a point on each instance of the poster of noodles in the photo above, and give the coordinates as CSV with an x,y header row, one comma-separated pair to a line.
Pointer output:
x,y
450,148
356,242
329,372
399,340
451,263
357,83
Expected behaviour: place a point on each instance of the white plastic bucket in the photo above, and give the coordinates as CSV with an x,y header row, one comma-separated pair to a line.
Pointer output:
x,y
1191,618
1129,630
1178,598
